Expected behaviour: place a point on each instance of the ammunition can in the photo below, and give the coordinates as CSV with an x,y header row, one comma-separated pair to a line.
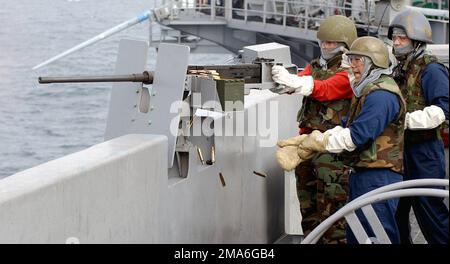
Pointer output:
x,y
231,94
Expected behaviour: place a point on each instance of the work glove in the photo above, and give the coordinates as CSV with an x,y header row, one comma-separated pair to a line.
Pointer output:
x,y
345,62
287,157
316,141
305,154
290,155
303,85
293,141
430,117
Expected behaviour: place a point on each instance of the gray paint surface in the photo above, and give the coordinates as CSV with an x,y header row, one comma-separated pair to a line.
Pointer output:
x,y
104,194
119,192
123,111
124,115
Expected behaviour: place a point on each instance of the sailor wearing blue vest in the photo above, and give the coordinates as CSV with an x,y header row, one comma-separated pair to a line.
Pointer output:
x,y
424,85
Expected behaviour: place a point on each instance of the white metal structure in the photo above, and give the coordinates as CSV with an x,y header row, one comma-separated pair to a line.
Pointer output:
x,y
234,24
364,202
223,26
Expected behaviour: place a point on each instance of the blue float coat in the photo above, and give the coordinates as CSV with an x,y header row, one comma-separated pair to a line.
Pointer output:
x,y
435,86
427,160
379,110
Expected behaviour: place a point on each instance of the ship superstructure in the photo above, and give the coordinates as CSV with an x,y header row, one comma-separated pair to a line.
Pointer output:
x,y
234,24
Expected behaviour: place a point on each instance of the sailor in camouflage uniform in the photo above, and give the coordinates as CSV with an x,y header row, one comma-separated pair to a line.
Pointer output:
x,y
424,84
371,138
322,183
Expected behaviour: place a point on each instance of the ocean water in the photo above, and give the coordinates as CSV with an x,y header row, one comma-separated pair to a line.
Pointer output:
x,y
38,122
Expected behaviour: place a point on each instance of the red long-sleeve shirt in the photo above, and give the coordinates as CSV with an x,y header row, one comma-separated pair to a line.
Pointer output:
x,y
334,88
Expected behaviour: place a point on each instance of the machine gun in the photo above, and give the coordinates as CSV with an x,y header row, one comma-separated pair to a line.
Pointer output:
x,y
200,78
254,75
250,73
137,108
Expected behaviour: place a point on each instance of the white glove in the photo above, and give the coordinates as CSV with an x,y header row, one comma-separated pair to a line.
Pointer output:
x,y
345,62
430,117
334,140
339,140
303,85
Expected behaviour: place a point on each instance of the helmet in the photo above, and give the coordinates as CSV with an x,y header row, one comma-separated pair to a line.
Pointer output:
x,y
414,23
337,28
373,48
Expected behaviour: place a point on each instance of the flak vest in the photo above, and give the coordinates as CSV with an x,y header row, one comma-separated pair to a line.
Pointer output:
x,y
387,150
411,88
323,115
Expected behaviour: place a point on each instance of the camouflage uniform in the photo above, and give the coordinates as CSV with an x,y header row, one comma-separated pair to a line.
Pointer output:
x,y
387,150
322,183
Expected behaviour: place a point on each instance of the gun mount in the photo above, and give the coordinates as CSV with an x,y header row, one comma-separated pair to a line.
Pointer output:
x,y
206,91
217,159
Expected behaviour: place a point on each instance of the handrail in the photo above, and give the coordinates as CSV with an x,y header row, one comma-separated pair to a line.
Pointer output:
x,y
403,185
191,5
289,14
302,20
322,227
407,184
302,17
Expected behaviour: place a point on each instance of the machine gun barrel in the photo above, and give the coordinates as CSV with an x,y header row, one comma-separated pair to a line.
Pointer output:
x,y
251,73
145,77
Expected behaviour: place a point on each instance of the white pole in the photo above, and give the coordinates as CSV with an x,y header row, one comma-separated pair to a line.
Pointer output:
x,y
142,17
430,12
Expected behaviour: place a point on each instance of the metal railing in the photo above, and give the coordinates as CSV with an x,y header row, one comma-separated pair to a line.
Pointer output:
x,y
304,14
364,202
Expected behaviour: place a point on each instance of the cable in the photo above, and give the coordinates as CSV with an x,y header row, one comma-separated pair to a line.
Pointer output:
x,y
381,20
368,17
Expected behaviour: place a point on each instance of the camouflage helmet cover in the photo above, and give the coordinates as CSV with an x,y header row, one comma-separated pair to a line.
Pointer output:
x,y
373,48
337,28
414,23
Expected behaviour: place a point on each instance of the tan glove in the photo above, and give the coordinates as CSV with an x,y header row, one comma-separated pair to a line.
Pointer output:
x,y
288,157
316,141
293,141
305,154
